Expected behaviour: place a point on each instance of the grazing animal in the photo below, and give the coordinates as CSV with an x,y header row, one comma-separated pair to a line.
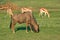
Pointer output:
x,y
23,18
9,5
26,10
3,7
43,11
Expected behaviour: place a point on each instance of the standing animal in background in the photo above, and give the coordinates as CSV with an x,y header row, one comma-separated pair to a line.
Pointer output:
x,y
44,11
9,5
26,10
3,7
23,18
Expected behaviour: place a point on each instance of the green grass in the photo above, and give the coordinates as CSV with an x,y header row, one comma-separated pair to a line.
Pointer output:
x,y
49,27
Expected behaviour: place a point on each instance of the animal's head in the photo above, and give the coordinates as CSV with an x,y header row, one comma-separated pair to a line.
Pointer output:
x,y
36,28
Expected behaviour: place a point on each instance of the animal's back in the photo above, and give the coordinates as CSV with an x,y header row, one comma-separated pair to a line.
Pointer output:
x,y
21,18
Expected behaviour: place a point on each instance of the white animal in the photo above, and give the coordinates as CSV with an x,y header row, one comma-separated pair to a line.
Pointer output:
x,y
26,10
44,11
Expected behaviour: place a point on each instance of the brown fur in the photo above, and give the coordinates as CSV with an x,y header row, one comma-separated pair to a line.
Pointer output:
x,y
9,5
23,18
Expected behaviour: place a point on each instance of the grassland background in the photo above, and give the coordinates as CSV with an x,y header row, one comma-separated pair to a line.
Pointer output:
x,y
49,27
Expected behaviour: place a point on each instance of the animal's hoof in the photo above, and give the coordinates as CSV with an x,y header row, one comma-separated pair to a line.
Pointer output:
x,y
26,32
13,31
31,31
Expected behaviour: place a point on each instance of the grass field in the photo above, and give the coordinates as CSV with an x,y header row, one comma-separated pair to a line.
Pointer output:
x,y
49,27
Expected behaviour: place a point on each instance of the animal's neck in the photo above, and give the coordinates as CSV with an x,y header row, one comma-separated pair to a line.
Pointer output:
x,y
10,12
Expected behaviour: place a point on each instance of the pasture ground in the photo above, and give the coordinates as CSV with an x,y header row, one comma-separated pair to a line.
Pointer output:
x,y
49,27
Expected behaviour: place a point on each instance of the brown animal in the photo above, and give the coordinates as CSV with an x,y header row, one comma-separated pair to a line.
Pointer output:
x,y
9,5
3,7
23,18
43,11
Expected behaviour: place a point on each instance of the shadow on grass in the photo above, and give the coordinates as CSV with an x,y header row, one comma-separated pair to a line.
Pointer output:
x,y
22,28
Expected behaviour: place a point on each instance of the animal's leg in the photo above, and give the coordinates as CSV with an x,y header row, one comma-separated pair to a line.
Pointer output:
x,y
30,11
12,26
45,13
26,27
31,27
48,15
41,14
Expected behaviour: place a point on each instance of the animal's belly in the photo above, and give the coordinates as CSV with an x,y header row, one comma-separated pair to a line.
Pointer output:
x,y
21,20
